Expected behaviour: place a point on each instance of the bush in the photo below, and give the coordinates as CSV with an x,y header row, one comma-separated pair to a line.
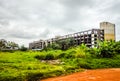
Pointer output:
x,y
49,56
40,57
23,48
34,76
107,53
116,47
94,52
70,54
62,55
105,50
80,53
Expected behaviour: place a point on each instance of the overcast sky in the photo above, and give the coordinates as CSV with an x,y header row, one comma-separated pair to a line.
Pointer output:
x,y
24,21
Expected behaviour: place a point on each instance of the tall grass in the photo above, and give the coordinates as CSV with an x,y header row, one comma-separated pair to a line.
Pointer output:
x,y
29,65
19,65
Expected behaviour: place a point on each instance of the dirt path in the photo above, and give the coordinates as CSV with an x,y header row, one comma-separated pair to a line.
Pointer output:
x,y
91,75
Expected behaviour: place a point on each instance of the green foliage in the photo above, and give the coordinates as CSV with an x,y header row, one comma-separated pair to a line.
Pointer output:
x,y
80,53
94,52
3,44
116,47
55,46
69,54
22,65
40,57
35,65
62,44
106,49
93,63
7,45
23,48
49,56
61,55
12,45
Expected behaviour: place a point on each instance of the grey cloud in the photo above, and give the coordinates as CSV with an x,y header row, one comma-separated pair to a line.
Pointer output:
x,y
4,23
36,19
17,9
112,8
21,34
74,10
77,3
45,33
117,29
116,8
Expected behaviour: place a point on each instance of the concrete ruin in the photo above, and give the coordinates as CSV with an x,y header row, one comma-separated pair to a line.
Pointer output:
x,y
89,37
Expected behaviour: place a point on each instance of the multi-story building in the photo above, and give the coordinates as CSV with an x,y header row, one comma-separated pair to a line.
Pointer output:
x,y
89,37
36,45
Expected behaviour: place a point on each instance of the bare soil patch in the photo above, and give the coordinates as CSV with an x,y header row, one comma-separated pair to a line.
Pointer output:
x,y
112,74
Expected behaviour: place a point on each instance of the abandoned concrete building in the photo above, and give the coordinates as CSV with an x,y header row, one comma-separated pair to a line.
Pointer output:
x,y
89,37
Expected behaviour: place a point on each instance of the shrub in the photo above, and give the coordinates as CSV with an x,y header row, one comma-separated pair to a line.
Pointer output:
x,y
105,50
34,76
23,48
107,53
61,55
116,47
49,56
40,57
94,52
70,55
80,53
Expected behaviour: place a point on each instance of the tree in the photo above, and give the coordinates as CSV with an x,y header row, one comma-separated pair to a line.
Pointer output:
x,y
66,43
55,46
71,42
23,48
3,44
62,44
12,45
8,45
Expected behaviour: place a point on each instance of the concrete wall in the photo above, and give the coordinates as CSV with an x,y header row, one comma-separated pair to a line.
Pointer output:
x,y
109,30
36,45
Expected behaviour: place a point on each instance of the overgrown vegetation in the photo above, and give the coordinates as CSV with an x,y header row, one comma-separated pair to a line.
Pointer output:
x,y
106,49
34,65
5,45
61,44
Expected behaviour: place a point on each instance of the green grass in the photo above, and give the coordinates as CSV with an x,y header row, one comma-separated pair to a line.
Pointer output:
x,y
21,66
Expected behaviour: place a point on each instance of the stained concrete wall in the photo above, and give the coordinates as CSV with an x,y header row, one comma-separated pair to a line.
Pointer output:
x,y
109,30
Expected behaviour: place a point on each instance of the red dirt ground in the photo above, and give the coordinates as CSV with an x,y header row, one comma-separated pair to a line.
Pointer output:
x,y
112,74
